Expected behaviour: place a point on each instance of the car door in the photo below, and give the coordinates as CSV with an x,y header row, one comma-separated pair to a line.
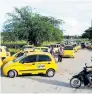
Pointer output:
x,y
43,63
29,64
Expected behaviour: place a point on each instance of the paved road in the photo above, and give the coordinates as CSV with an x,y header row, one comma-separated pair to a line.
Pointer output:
x,y
58,83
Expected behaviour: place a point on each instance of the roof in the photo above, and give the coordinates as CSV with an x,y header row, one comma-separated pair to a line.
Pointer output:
x,y
41,47
40,53
3,47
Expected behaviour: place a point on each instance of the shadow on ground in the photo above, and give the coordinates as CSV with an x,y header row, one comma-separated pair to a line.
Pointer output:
x,y
54,82
49,81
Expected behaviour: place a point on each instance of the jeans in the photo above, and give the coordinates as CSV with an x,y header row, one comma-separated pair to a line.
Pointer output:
x,y
59,58
89,77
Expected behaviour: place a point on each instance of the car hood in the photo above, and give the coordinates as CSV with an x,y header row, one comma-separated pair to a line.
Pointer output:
x,y
8,64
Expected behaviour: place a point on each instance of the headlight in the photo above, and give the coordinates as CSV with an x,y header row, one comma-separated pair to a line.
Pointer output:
x,y
7,64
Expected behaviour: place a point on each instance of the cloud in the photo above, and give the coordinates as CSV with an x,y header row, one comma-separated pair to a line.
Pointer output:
x,y
76,13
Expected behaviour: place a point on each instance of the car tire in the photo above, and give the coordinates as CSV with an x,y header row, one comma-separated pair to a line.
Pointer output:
x,y
12,73
50,72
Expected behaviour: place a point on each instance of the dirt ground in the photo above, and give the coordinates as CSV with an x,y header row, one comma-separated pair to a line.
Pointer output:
x,y
57,84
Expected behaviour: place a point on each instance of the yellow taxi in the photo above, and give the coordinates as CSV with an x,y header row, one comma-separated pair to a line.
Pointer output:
x,y
78,47
68,52
4,52
33,63
75,47
41,49
1,63
16,55
28,48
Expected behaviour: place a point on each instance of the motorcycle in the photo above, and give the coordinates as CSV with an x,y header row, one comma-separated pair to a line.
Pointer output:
x,y
79,79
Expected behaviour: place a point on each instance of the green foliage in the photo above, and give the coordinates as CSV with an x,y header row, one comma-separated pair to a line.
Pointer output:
x,y
14,45
22,24
87,33
15,42
13,51
46,43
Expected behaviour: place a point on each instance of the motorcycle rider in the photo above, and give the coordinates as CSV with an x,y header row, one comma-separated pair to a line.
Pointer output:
x,y
52,51
89,75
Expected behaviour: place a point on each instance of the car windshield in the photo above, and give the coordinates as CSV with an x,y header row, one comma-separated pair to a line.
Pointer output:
x,y
68,48
19,58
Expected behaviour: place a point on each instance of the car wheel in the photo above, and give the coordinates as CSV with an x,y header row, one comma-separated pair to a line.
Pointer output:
x,y
12,73
50,72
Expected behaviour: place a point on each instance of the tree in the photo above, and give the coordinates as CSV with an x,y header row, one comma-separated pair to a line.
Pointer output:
x,y
87,33
25,25
8,36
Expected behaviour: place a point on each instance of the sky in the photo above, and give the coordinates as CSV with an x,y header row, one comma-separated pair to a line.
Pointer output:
x,y
77,14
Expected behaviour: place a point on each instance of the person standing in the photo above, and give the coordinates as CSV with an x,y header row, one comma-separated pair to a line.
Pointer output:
x,y
52,51
60,54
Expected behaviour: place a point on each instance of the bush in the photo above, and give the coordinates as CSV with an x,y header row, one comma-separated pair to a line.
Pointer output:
x,y
46,43
13,51
16,45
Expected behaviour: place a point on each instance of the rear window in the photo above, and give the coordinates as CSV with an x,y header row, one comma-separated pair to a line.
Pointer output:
x,y
53,45
43,58
74,45
58,45
37,48
7,50
68,48
0,50
28,47
44,49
